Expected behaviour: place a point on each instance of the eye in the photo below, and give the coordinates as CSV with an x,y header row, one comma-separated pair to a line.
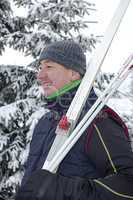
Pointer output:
x,y
49,66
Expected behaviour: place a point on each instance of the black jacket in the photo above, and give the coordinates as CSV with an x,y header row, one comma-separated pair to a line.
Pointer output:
x,y
102,157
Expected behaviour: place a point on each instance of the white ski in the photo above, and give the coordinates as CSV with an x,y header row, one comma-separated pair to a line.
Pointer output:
x,y
82,94
91,114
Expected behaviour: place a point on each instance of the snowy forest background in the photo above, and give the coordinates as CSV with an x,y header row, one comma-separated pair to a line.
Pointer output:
x,y
21,100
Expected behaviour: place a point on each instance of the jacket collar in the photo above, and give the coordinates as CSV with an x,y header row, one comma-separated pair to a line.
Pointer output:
x,y
62,103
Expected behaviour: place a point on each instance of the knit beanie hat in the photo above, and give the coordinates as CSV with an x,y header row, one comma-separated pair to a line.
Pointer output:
x,y
67,53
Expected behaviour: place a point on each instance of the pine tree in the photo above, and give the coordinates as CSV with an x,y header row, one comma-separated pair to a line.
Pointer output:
x,y
48,21
20,103
102,81
9,25
5,27
130,117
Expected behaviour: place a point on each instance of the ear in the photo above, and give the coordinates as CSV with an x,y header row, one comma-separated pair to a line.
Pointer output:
x,y
75,76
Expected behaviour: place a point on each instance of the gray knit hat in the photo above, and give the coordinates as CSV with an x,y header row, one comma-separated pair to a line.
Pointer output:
x,y
67,53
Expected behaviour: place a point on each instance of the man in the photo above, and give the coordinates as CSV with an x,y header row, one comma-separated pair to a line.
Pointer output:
x,y
100,165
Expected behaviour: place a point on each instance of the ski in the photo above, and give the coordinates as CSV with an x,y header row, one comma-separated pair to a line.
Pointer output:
x,y
126,69
68,122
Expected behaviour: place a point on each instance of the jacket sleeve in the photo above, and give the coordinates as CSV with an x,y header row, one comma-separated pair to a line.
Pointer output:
x,y
110,151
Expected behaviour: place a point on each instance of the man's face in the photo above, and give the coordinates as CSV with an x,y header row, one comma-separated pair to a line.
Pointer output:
x,y
54,76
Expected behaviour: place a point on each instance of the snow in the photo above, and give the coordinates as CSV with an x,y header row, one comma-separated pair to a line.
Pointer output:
x,y
122,106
